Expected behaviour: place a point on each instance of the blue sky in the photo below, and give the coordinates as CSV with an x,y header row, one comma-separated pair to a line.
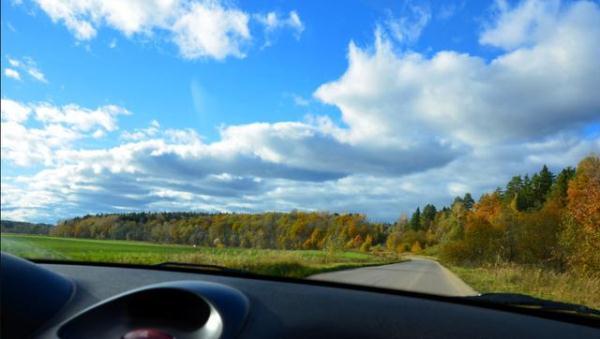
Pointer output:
x,y
348,106
259,87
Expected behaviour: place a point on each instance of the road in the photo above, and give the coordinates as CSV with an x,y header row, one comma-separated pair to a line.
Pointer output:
x,y
417,274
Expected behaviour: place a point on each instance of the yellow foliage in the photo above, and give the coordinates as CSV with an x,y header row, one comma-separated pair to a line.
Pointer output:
x,y
416,247
488,208
584,194
400,248
366,246
582,232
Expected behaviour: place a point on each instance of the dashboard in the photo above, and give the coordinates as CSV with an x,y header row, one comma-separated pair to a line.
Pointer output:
x,y
46,300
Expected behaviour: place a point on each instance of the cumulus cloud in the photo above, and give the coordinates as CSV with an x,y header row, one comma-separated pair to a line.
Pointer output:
x,y
13,111
157,168
143,133
11,73
79,118
524,93
26,65
416,129
524,24
203,28
60,127
156,175
208,29
83,18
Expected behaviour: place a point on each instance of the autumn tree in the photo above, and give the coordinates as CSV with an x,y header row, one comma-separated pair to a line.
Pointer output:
x,y
402,223
416,247
581,235
392,241
366,245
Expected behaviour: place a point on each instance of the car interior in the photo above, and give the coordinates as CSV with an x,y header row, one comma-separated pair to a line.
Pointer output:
x,y
76,300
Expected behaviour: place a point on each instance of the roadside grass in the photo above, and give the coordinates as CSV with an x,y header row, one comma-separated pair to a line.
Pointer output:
x,y
534,281
289,263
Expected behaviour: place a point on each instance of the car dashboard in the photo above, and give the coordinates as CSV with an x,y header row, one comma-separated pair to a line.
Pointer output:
x,y
121,301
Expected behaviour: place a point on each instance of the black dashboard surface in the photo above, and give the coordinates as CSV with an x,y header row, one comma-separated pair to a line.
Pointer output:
x,y
295,310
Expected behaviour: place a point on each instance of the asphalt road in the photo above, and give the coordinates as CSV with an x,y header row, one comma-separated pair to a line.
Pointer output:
x,y
417,274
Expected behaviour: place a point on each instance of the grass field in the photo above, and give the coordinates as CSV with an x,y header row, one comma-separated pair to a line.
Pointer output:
x,y
542,283
271,262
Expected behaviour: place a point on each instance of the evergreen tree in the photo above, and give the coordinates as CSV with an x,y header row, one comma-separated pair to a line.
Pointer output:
x,y
468,201
561,184
540,187
513,188
524,198
415,220
545,182
428,215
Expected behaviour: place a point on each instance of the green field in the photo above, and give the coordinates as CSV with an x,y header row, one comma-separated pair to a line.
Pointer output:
x,y
298,263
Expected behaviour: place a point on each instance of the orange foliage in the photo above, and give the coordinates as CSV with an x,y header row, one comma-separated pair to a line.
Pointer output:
x,y
584,194
416,247
583,233
488,208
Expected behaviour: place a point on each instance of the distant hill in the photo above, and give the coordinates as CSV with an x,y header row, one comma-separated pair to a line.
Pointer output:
x,y
9,226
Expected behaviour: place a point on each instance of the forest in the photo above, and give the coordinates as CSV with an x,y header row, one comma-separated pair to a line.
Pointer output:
x,y
8,226
546,219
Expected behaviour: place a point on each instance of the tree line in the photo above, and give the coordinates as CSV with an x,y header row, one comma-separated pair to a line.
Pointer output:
x,y
294,230
9,226
547,219
550,220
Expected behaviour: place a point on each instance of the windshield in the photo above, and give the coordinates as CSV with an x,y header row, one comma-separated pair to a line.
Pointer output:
x,y
445,148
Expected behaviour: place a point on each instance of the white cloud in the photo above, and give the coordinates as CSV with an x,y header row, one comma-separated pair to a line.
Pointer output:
x,y
407,28
526,23
208,29
261,167
14,62
78,118
26,146
156,175
11,73
27,65
142,134
200,29
173,168
274,24
300,101
83,18
415,129
525,93
61,127
14,111
272,21
37,74
294,22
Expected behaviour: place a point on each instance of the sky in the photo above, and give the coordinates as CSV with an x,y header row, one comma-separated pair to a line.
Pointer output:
x,y
373,107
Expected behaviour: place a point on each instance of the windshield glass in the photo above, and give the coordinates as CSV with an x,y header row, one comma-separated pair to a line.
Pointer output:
x,y
446,148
